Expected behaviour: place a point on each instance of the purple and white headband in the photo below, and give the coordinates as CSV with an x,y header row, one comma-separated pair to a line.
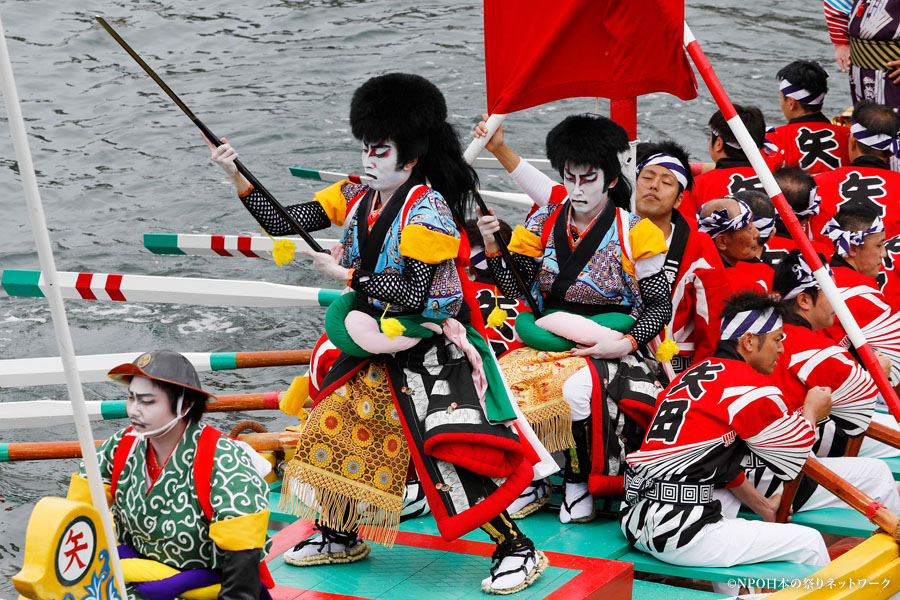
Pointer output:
x,y
814,204
843,239
879,141
734,145
669,162
718,221
805,279
765,226
757,322
478,258
801,95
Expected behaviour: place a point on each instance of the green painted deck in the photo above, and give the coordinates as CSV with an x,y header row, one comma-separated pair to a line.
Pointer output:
x,y
647,590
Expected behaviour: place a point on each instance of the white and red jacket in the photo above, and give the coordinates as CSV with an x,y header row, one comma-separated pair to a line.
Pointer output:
x,y
810,142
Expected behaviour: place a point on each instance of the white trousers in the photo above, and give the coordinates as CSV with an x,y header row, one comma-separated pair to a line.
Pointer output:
x,y
870,475
875,449
577,392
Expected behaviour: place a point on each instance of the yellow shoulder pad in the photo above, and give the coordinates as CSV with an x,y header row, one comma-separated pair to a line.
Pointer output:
x,y
80,492
646,240
427,245
333,201
240,533
526,243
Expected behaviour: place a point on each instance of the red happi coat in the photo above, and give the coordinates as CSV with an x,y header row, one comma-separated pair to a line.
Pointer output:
x,y
810,142
730,175
879,322
889,277
780,246
867,179
811,359
501,339
750,276
699,290
693,438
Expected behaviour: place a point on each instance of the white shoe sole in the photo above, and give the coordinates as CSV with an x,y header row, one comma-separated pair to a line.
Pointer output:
x,y
542,563
333,558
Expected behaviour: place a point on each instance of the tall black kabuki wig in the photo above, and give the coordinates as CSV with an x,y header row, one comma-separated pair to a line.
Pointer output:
x,y
595,141
410,111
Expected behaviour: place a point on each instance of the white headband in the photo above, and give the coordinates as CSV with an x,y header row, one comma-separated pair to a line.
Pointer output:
x,y
800,95
669,162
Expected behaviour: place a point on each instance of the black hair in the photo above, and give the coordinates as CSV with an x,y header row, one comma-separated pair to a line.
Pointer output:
x,y
809,75
411,111
856,215
877,118
591,140
786,279
192,398
796,184
754,121
475,237
758,201
645,151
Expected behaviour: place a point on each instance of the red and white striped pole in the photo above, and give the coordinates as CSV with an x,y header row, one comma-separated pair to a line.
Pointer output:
x,y
790,220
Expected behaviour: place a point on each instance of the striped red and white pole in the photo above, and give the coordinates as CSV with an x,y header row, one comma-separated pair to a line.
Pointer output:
x,y
26,372
172,290
250,246
504,197
790,220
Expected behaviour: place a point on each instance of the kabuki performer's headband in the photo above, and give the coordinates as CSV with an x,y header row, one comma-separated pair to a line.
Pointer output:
x,y
671,163
844,239
765,226
805,279
879,141
718,222
751,321
815,200
800,95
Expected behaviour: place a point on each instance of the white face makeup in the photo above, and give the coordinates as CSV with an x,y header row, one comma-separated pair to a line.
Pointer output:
x,y
147,406
585,186
380,165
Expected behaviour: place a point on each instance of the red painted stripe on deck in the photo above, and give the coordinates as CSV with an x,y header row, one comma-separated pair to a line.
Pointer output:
x,y
217,244
244,242
113,283
83,286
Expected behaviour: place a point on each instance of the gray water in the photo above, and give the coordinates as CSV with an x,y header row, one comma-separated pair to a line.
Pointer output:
x,y
115,158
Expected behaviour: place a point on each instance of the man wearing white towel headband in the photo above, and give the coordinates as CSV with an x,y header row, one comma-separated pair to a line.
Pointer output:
x,y
705,423
868,178
809,140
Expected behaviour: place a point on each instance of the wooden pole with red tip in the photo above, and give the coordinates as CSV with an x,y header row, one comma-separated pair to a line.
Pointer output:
x,y
854,333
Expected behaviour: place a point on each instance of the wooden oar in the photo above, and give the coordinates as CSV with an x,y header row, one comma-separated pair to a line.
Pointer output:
x,y
177,290
51,413
262,442
884,434
213,138
333,177
25,372
251,246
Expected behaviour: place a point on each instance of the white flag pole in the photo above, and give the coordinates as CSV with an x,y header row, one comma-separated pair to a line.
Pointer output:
x,y
477,145
57,309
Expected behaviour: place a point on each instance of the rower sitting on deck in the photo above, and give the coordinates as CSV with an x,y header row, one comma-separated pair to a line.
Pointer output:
x,y
182,494
809,140
729,222
764,219
732,172
597,272
705,422
799,189
421,385
811,358
858,235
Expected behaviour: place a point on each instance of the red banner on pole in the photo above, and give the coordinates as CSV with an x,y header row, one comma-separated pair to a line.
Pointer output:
x,y
540,51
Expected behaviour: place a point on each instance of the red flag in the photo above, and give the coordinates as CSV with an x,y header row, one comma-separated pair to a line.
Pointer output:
x,y
541,51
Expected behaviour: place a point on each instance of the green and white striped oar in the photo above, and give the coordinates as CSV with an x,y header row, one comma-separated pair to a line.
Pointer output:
x,y
172,290
332,177
252,246
25,372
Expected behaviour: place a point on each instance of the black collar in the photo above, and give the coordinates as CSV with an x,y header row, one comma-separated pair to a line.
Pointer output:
x,y
816,117
732,163
727,351
874,162
839,261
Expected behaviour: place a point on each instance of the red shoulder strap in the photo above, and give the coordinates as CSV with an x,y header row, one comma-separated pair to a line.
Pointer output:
x,y
123,450
204,459
549,224
411,199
